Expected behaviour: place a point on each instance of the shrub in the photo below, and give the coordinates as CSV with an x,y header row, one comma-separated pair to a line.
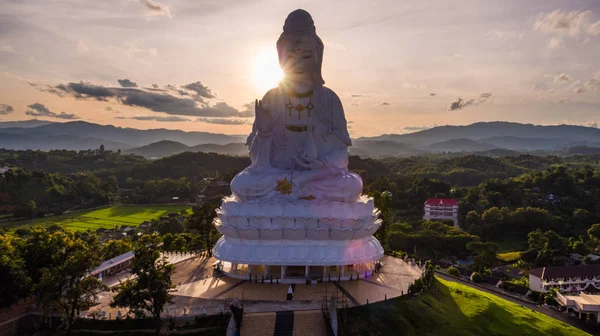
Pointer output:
x,y
453,271
476,277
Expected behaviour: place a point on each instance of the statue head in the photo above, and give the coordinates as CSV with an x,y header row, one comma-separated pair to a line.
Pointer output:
x,y
300,50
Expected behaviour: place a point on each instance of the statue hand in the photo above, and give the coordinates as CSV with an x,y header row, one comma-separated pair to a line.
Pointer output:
x,y
264,121
308,163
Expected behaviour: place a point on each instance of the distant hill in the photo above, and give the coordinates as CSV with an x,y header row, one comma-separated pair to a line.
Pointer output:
x,y
485,130
24,123
460,145
167,148
475,138
43,136
61,141
381,148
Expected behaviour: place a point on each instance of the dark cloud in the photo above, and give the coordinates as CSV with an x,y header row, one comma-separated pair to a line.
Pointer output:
x,y
157,118
127,83
155,8
432,94
108,108
6,109
154,101
155,86
39,110
200,89
226,121
460,103
385,103
357,96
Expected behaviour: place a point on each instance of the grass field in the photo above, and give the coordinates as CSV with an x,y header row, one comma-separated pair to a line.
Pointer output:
x,y
103,218
509,257
450,309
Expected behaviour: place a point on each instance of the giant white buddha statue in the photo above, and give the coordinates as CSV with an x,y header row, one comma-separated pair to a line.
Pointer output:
x,y
297,205
299,139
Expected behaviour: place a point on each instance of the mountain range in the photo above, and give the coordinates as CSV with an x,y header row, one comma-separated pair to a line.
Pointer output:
x,y
494,138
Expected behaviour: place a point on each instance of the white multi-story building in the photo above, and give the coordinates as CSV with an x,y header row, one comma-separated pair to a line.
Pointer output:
x,y
441,208
568,279
582,304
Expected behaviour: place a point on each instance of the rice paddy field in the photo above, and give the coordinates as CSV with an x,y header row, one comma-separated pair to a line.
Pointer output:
x,y
108,218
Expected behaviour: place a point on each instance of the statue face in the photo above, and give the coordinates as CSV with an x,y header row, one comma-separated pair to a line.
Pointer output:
x,y
300,61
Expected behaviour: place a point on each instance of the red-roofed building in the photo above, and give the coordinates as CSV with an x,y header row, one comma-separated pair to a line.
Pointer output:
x,y
441,208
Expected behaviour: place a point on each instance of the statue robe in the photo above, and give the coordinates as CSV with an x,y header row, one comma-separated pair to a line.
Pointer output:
x,y
323,135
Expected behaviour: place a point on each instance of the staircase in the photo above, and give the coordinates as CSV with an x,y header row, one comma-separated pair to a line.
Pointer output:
x,y
284,323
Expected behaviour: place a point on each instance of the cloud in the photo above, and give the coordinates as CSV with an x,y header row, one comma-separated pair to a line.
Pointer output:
x,y
385,104
592,85
199,89
357,96
432,94
127,83
155,86
226,121
39,110
555,43
411,86
460,104
82,47
418,128
154,8
155,101
562,78
564,100
573,24
6,109
157,118
107,108
7,48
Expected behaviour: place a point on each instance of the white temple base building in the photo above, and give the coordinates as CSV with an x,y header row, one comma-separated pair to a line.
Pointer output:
x,y
292,242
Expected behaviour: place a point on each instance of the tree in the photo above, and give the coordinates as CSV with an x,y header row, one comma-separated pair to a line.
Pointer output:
x,y
476,277
14,281
200,221
453,271
102,148
484,254
66,285
31,208
114,248
151,290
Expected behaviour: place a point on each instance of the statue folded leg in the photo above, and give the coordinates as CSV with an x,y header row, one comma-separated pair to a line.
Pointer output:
x,y
337,185
248,185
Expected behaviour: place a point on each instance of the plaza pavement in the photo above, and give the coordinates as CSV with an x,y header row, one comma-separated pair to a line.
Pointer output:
x,y
201,293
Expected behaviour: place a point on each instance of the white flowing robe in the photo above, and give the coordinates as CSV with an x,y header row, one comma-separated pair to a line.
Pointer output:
x,y
323,134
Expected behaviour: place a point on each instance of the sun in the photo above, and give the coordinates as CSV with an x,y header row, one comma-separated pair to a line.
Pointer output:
x,y
267,73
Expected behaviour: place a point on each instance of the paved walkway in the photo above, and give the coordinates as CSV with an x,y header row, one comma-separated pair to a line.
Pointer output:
x,y
201,293
292,323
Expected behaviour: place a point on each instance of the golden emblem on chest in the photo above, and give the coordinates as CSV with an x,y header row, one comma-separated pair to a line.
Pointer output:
x,y
297,128
300,107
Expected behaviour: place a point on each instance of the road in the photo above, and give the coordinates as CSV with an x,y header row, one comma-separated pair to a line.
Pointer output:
x,y
593,330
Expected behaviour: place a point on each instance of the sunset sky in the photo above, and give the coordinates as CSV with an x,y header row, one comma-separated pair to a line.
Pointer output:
x,y
398,66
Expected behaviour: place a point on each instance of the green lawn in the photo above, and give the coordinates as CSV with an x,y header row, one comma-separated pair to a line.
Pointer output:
x,y
450,309
103,218
509,257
